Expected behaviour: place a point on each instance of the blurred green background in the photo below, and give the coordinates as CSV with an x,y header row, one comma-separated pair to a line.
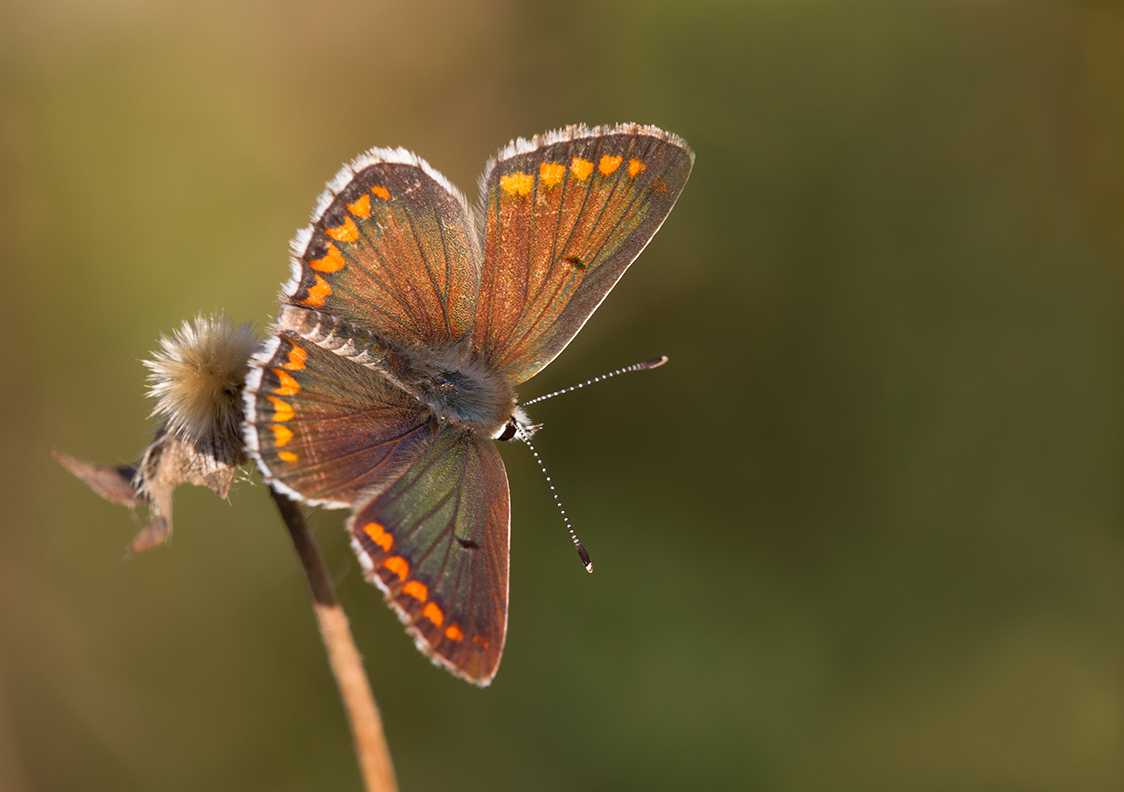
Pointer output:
x,y
864,533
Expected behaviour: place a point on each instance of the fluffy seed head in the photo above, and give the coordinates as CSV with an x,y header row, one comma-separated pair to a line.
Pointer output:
x,y
196,378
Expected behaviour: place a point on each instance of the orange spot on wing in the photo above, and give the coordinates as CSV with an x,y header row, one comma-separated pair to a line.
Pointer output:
x,y
381,192
288,386
551,173
416,589
332,261
433,613
362,207
397,565
480,641
379,535
319,292
347,232
297,357
634,167
281,434
581,168
287,456
454,633
282,410
609,165
521,183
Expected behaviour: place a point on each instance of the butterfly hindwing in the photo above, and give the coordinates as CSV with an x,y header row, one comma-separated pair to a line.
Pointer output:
x,y
391,249
564,216
436,542
327,429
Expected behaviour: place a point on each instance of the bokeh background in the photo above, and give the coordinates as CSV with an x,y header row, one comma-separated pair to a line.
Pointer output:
x,y
865,532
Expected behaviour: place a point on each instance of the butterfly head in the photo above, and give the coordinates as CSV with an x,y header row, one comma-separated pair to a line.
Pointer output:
x,y
517,426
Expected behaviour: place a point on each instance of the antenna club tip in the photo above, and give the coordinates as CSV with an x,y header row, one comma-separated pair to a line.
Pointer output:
x,y
655,362
589,567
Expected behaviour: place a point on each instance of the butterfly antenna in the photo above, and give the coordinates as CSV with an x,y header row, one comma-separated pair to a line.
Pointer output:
x,y
526,438
647,364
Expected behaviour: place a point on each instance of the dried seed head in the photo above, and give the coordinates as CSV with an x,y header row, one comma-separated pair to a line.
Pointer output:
x,y
196,378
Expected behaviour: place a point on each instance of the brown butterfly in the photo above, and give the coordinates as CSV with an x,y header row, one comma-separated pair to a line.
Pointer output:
x,y
403,332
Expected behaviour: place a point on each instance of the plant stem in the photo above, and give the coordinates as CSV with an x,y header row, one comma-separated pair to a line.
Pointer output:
x,y
343,655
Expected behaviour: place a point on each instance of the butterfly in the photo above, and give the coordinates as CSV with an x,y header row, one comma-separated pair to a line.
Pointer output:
x,y
403,332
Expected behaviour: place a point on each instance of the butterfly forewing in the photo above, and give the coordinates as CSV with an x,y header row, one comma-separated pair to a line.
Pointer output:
x,y
327,429
391,250
564,216
436,542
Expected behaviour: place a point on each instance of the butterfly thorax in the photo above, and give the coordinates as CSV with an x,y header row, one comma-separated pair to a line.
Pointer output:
x,y
463,391
454,386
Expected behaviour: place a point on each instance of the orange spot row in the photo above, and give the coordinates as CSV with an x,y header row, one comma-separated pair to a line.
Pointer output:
x,y
552,173
381,192
287,456
282,410
319,292
332,261
379,535
288,386
398,565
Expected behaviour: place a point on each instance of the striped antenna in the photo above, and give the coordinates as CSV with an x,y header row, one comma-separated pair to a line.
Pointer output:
x,y
525,436
647,364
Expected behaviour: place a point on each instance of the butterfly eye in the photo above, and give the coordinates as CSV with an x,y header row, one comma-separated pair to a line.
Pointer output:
x,y
508,431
